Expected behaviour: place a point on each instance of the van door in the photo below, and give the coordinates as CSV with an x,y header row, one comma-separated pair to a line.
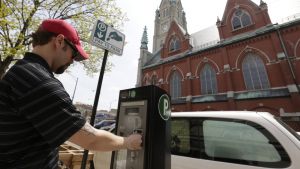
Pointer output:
x,y
215,143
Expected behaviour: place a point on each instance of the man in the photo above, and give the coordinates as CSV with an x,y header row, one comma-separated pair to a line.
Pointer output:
x,y
36,113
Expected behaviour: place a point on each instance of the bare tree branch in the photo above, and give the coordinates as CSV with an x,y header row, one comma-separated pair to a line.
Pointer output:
x,y
75,15
26,23
8,36
15,13
22,9
51,7
57,10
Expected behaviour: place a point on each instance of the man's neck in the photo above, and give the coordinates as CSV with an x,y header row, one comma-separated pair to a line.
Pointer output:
x,y
43,51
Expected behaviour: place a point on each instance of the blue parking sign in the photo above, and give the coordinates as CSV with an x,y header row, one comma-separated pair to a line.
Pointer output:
x,y
106,37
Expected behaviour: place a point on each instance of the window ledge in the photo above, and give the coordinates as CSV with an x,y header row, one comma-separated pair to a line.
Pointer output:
x,y
243,29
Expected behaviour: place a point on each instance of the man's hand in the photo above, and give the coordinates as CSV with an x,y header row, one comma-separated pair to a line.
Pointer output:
x,y
100,140
133,142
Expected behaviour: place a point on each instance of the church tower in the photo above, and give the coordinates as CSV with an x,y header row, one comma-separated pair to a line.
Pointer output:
x,y
168,11
145,56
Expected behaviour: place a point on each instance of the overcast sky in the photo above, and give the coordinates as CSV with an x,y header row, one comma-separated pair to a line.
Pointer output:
x,y
200,14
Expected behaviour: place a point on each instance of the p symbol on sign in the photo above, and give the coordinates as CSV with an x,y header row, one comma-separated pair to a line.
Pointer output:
x,y
164,107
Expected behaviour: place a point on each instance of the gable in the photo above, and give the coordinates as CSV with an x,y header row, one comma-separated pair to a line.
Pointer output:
x,y
233,3
177,41
242,16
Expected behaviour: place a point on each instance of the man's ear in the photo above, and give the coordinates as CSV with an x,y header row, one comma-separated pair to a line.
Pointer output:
x,y
59,40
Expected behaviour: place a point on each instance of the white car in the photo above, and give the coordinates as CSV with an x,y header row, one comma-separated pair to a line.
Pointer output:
x,y
227,140
232,140
104,123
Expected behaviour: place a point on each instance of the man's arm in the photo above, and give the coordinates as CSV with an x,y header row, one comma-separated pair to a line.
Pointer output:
x,y
100,140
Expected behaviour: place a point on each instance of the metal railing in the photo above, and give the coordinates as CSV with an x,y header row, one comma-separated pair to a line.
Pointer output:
x,y
289,18
206,45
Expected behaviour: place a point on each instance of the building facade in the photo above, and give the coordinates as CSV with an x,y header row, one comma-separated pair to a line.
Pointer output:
x,y
245,62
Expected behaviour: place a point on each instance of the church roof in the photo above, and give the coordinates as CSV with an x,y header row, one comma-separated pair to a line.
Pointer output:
x,y
204,38
199,40
155,58
209,38
181,28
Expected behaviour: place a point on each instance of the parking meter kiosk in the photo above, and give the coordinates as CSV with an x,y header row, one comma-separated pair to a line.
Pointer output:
x,y
144,110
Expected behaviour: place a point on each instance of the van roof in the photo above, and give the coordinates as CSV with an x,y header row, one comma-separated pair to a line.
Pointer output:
x,y
220,114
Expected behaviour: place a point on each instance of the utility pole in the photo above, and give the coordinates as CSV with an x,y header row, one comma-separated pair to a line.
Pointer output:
x,y
74,89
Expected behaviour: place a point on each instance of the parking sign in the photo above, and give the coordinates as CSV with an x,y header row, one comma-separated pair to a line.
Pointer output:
x,y
106,37
164,107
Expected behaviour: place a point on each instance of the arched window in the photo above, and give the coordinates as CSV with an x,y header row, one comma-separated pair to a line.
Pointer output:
x,y
154,80
208,80
255,75
174,44
240,19
175,84
177,44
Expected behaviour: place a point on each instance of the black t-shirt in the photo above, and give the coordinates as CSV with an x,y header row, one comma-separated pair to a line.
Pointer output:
x,y
36,116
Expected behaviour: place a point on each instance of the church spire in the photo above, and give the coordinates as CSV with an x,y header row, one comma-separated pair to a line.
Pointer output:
x,y
169,11
263,5
144,41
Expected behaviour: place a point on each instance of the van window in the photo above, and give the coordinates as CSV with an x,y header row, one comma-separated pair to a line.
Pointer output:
x,y
180,142
233,141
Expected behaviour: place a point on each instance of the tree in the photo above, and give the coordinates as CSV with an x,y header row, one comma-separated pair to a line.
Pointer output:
x,y
19,18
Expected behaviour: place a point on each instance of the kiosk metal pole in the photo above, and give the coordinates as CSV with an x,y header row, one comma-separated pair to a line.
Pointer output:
x,y
85,155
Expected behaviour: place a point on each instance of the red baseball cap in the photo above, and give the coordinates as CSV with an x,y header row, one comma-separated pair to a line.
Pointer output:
x,y
59,26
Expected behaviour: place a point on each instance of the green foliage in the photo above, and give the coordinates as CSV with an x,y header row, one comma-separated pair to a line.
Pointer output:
x,y
19,18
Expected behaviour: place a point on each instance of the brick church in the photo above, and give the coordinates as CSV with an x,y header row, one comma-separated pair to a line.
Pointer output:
x,y
244,62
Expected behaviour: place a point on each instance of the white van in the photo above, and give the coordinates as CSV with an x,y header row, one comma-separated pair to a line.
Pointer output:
x,y
227,140
232,140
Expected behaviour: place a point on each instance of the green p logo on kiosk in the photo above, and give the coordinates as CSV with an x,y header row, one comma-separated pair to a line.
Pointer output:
x,y
164,107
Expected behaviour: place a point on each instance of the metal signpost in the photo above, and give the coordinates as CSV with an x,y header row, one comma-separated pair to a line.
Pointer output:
x,y
109,39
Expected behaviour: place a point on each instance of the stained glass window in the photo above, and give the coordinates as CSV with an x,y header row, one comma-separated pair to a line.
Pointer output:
x,y
255,75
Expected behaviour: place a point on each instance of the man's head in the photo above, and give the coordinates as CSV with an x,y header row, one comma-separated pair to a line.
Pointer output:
x,y
63,39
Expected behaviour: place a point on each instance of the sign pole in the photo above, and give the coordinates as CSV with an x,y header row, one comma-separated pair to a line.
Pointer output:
x,y
85,155
110,39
